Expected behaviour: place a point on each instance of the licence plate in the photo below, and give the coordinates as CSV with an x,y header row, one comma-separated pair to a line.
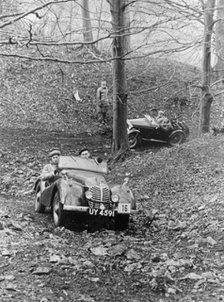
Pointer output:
x,y
124,208
99,212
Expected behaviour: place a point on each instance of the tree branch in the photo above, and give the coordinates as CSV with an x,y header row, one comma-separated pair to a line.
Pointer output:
x,y
22,15
57,60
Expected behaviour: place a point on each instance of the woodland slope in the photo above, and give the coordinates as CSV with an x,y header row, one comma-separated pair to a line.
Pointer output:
x,y
173,249
40,95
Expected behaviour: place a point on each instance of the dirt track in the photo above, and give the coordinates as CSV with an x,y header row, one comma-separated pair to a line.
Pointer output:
x,y
40,263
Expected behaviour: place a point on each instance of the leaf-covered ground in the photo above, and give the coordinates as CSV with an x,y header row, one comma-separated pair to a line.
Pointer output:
x,y
40,95
172,251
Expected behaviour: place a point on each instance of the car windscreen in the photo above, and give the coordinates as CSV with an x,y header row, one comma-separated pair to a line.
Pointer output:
x,y
84,164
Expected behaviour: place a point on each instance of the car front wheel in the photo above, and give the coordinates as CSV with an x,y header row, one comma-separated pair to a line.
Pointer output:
x,y
38,207
134,139
57,209
176,138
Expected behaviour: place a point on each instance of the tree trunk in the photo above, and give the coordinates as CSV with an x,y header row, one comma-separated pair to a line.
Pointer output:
x,y
206,97
86,22
120,140
219,40
127,24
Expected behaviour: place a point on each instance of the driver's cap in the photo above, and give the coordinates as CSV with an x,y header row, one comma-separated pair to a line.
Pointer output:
x,y
54,152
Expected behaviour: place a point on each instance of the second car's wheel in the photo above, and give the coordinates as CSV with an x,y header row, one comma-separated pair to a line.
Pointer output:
x,y
38,207
57,209
121,222
134,139
176,138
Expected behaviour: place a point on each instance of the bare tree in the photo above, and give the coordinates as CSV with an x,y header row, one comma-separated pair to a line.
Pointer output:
x,y
219,40
86,21
120,141
206,97
127,25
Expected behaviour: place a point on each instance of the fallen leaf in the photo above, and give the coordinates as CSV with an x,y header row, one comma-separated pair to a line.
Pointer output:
x,y
192,276
177,225
2,278
54,258
6,253
9,277
179,263
210,240
93,279
15,226
42,271
132,254
88,263
132,267
117,250
99,251
11,286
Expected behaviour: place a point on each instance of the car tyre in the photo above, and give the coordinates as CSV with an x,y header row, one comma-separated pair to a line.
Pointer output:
x,y
38,207
176,138
57,210
121,222
134,139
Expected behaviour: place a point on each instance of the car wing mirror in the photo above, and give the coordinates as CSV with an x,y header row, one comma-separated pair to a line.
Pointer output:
x,y
99,160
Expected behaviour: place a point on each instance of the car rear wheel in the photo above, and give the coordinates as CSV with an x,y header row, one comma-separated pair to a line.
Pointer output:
x,y
57,209
134,139
121,222
176,138
38,207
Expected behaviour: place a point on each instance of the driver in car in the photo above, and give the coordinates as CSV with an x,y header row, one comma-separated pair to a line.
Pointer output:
x,y
84,153
163,121
50,170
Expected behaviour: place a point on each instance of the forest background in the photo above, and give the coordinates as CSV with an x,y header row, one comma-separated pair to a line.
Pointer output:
x,y
65,46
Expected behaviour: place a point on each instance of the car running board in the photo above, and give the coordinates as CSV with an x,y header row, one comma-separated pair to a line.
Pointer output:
x,y
154,140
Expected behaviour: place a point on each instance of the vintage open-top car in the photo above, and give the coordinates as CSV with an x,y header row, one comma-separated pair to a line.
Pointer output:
x,y
163,130
80,186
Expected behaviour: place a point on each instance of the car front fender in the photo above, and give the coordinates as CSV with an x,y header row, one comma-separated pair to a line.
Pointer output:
x,y
125,195
133,130
71,193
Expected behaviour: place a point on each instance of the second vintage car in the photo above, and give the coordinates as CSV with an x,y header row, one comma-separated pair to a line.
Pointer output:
x,y
149,129
81,187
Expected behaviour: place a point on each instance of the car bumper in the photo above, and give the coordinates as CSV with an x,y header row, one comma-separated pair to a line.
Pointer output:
x,y
85,209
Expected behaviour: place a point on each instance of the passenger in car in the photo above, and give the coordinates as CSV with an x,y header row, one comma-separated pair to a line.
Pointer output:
x,y
85,153
50,170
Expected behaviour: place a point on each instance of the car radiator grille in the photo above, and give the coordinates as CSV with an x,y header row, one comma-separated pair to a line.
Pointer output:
x,y
101,195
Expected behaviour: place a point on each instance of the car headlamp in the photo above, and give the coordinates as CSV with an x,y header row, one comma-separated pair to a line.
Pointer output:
x,y
89,194
115,198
